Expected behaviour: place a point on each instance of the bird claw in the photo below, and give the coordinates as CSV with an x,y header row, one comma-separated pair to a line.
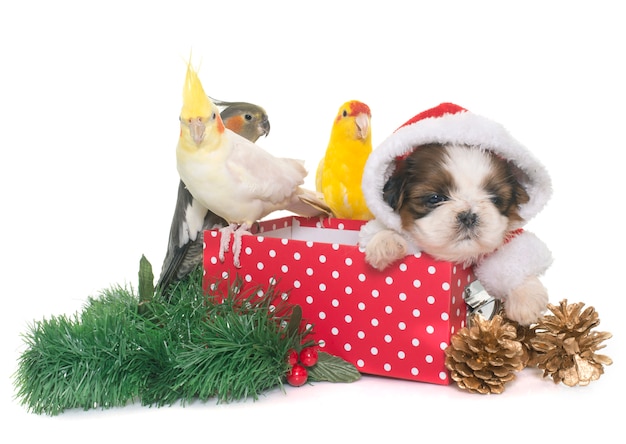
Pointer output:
x,y
237,232
243,230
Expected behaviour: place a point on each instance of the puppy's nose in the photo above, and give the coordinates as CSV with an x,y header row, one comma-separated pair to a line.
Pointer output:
x,y
467,218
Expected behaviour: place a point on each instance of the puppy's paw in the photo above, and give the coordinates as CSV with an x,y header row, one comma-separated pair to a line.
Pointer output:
x,y
385,247
527,303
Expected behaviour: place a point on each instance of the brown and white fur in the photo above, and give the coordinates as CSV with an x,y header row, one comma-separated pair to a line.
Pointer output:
x,y
459,204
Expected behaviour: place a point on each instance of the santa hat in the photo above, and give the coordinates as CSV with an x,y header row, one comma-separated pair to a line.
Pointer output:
x,y
448,123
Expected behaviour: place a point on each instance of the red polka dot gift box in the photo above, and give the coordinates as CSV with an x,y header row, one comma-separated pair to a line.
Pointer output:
x,y
395,323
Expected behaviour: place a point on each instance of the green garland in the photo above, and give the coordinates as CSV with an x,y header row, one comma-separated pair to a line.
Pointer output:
x,y
125,348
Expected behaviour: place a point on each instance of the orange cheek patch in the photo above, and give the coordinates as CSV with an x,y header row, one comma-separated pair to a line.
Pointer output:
x,y
234,123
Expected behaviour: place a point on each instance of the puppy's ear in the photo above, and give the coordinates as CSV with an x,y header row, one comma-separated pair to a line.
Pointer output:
x,y
394,189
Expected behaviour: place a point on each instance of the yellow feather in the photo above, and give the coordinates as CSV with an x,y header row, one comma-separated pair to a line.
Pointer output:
x,y
195,101
340,171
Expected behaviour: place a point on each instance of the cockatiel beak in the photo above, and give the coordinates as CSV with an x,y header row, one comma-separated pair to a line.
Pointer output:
x,y
265,127
196,130
362,125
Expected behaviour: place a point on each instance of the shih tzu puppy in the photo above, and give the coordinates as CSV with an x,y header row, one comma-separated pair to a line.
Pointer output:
x,y
460,202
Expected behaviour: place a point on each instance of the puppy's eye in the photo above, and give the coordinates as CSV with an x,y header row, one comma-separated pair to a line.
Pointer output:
x,y
496,200
435,199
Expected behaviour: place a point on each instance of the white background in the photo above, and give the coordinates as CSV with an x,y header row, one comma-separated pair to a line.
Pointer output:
x,y
89,99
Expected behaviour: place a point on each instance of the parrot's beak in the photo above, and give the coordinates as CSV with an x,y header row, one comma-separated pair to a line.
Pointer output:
x,y
265,127
196,129
362,125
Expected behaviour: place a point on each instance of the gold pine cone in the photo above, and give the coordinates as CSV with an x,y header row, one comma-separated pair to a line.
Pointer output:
x,y
565,346
484,356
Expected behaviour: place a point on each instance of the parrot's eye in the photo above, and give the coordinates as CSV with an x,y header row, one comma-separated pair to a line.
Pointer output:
x,y
213,116
345,113
248,117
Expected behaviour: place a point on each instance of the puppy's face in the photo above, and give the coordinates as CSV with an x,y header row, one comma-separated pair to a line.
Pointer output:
x,y
457,202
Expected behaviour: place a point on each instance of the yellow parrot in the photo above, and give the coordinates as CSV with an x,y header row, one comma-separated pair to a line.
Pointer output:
x,y
340,171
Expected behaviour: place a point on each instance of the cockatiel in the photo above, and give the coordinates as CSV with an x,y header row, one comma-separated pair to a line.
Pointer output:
x,y
340,171
232,176
184,249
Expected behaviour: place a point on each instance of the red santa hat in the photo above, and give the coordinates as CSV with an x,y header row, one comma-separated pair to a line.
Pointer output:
x,y
448,123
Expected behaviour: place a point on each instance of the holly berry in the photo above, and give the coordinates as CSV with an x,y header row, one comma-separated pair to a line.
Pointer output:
x,y
297,375
292,357
308,356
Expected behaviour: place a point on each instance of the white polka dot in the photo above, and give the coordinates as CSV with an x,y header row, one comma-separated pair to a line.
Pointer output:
x,y
340,226
360,363
454,271
387,367
334,331
443,345
348,290
375,293
388,280
260,265
213,233
430,300
322,259
388,339
247,250
401,354
272,308
348,261
388,309
322,287
348,318
401,326
415,371
458,282
402,267
361,277
322,343
347,347
213,260
309,299
272,281
458,312
284,268
284,296
445,316
335,247
260,239
374,351
374,322
415,342
296,284
309,244
360,334
335,303
335,274
225,275
309,271
429,359
322,315
430,329
361,306
443,376
417,283
284,241
453,300
402,296
416,313
418,254
445,286
272,253
296,256
432,270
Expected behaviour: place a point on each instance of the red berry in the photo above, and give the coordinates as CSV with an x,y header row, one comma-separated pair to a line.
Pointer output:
x,y
297,375
308,356
292,357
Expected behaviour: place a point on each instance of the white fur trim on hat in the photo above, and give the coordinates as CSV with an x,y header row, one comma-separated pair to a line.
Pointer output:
x,y
450,124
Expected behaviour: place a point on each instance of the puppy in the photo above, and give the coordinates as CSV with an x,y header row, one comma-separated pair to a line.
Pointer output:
x,y
457,203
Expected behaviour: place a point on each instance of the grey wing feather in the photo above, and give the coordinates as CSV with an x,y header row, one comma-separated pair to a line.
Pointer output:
x,y
182,258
